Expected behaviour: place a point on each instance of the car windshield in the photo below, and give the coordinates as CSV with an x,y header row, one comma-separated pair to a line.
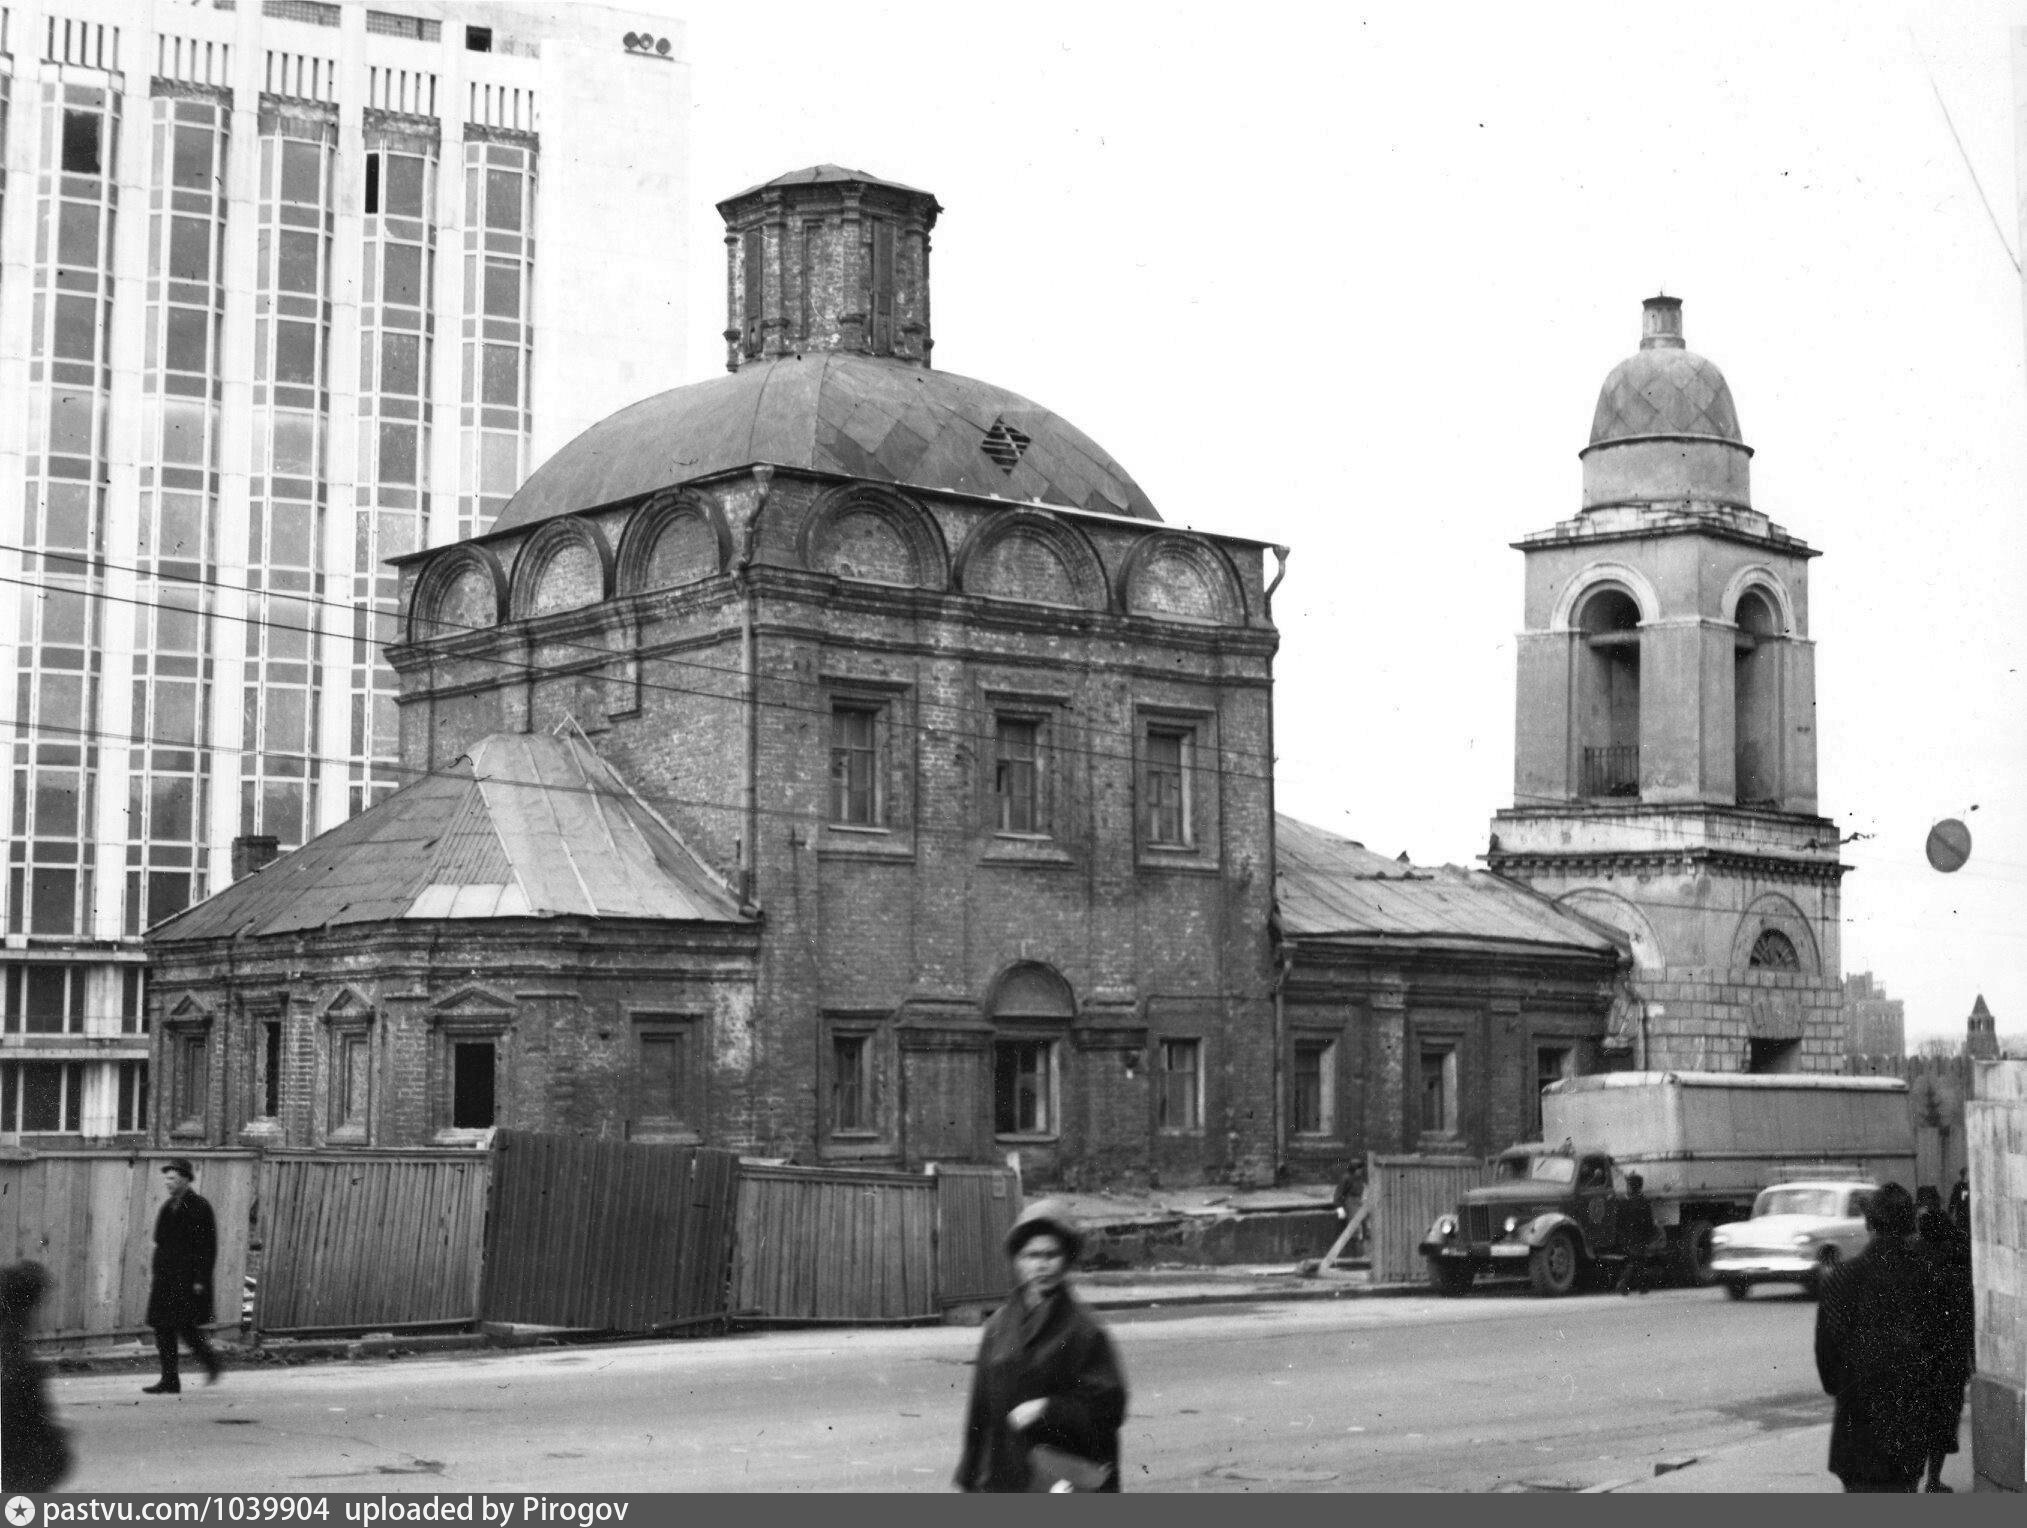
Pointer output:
x,y
1796,1201
1539,1169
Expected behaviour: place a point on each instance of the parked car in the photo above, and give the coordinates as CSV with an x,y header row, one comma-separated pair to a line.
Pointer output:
x,y
1797,1233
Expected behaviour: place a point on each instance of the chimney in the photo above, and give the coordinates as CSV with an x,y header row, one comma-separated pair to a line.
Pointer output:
x,y
827,259
1661,324
254,852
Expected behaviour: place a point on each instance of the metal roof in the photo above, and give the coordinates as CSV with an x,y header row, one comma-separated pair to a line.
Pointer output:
x,y
1771,1081
523,826
1329,886
847,415
824,175
1665,392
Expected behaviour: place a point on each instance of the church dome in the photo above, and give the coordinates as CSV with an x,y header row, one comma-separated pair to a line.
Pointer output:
x,y
1665,429
886,421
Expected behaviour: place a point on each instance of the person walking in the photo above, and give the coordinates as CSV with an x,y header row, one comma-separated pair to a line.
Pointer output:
x,y
1047,1395
34,1449
1350,1203
1636,1235
1878,1344
179,1290
1949,1254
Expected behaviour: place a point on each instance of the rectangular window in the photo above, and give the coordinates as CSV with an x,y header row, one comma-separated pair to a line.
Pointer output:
x,y
1179,1105
1439,1090
473,1065
662,1085
851,1084
45,1000
401,278
81,143
133,1009
856,797
478,39
133,1096
1551,1064
1023,1087
42,1097
1017,774
189,1053
1313,1104
351,1080
271,1068
372,184
405,185
883,287
1168,759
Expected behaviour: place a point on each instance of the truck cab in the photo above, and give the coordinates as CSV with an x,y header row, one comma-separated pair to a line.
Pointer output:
x,y
1549,1211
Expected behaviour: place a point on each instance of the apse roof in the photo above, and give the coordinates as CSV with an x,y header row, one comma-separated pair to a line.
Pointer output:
x,y
841,414
1329,886
823,175
523,826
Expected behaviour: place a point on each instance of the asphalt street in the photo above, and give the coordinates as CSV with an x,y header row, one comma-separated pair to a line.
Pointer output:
x,y
1495,1392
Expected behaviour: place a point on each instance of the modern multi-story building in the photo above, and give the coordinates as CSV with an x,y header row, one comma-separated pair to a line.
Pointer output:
x,y
286,289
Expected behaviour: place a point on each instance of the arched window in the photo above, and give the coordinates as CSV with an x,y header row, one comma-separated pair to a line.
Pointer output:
x,y
1774,951
1608,695
1755,702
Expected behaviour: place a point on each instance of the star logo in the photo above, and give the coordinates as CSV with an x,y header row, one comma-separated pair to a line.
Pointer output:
x,y
20,1511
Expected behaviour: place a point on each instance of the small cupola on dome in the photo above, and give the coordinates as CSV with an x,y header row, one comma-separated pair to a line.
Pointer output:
x,y
828,259
1665,429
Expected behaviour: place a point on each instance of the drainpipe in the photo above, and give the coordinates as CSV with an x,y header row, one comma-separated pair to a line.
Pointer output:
x,y
1284,951
742,569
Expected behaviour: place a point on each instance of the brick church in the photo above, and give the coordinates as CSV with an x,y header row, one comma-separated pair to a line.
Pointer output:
x,y
840,760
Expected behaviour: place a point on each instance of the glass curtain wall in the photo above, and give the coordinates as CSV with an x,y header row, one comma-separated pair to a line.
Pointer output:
x,y
498,332
396,337
170,758
57,667
285,575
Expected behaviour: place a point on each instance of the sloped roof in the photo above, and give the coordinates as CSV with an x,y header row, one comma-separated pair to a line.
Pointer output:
x,y
522,827
832,412
823,175
1331,887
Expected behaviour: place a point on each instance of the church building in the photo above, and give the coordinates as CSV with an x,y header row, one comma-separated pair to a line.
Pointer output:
x,y
1665,742
838,760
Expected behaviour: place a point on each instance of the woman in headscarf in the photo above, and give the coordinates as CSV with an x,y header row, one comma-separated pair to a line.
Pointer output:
x,y
1047,1397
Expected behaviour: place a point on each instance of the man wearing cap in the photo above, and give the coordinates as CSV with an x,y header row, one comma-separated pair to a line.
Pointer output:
x,y
1047,1397
179,1293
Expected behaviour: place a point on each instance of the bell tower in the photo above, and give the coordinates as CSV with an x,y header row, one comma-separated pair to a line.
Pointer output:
x,y
1665,739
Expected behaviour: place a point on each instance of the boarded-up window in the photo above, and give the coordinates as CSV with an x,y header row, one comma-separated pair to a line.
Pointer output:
x,y
1179,1104
750,277
1312,1100
474,1065
882,304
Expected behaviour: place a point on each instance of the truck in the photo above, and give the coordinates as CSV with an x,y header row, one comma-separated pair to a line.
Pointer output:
x,y
1705,1143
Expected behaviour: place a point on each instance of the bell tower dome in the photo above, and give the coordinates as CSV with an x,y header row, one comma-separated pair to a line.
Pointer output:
x,y
1665,730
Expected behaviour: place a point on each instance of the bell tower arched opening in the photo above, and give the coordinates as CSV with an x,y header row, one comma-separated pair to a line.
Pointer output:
x,y
1756,702
1608,694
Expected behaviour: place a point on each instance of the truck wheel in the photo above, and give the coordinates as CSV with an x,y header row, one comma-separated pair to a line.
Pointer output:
x,y
1554,1265
1737,1289
1450,1278
1693,1254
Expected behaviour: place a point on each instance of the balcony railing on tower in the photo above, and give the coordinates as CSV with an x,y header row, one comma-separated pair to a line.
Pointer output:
x,y
1613,771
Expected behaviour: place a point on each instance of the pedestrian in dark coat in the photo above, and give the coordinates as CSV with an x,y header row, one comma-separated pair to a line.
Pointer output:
x,y
1960,1200
1877,1348
1637,1234
1949,1254
34,1450
179,1291
1046,1377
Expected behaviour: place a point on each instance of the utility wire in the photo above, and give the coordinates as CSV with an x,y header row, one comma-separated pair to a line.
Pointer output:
x,y
1970,169
1223,750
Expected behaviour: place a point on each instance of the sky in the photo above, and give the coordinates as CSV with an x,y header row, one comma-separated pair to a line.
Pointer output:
x,y
1349,279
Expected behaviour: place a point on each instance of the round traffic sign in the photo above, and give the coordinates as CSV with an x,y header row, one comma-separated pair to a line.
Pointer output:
x,y
1949,845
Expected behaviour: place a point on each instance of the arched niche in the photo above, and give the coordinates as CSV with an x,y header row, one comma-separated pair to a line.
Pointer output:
x,y
1172,576
872,535
670,541
1029,992
1774,934
1759,583
1614,911
461,590
1023,554
565,565
1759,613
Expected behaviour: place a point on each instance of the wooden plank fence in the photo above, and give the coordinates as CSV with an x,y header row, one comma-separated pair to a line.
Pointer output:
x,y
831,1245
606,1235
373,1240
975,1208
89,1217
1406,1195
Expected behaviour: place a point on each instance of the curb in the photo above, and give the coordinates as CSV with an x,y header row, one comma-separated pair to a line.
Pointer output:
x,y
1148,1300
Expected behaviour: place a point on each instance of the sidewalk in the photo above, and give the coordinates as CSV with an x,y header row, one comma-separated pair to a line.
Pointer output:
x,y
1791,1460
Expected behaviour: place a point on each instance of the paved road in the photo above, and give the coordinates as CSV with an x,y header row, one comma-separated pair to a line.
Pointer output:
x,y
1494,1392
